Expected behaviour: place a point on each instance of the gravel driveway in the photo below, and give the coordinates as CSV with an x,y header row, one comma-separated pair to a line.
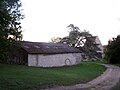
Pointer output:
x,y
104,82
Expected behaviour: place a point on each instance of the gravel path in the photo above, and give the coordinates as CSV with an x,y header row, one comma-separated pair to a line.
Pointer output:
x,y
104,82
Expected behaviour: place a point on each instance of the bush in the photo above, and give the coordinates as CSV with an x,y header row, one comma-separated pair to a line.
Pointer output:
x,y
112,51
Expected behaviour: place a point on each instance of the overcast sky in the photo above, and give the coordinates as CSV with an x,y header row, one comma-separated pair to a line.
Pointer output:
x,y
45,19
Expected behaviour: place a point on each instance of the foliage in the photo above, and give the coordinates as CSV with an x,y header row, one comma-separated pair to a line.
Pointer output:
x,y
10,29
112,51
76,37
73,28
82,40
55,40
14,77
91,48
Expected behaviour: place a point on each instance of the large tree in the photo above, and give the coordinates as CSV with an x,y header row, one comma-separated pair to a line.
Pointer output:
x,y
82,40
112,51
91,48
10,26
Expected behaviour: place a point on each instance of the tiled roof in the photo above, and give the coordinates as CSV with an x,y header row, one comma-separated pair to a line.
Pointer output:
x,y
47,48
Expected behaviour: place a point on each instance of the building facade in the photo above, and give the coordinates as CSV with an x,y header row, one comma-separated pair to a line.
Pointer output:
x,y
46,54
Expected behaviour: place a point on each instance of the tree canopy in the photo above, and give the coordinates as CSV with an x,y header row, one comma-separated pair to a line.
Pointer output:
x,y
112,51
10,26
82,40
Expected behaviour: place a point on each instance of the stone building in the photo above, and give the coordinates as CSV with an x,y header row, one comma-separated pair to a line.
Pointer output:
x,y
45,54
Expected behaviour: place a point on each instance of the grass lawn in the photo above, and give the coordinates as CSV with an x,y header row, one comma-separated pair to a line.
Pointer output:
x,y
14,77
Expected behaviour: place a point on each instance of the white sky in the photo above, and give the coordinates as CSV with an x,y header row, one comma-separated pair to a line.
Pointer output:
x,y
45,19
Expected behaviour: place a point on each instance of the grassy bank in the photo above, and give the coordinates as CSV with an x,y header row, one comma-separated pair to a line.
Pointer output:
x,y
13,77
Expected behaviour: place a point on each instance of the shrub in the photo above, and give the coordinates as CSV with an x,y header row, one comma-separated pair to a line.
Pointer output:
x,y
112,51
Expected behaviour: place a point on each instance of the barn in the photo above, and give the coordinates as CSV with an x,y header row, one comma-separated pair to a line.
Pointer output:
x,y
41,54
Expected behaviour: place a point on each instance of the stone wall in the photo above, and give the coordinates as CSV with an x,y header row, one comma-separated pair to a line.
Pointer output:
x,y
54,60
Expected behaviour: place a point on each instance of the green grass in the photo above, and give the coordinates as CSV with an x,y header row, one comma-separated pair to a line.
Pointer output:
x,y
102,61
19,77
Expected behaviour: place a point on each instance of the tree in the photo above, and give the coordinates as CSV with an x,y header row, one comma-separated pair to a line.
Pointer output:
x,y
73,28
76,37
82,40
10,29
112,51
55,40
91,48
